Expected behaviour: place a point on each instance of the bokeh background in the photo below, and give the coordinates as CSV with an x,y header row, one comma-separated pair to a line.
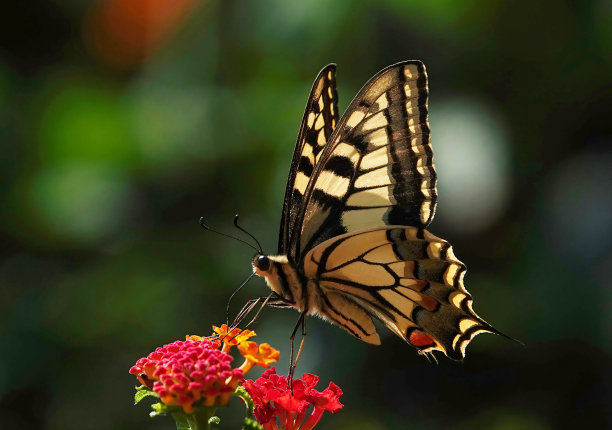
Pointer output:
x,y
123,122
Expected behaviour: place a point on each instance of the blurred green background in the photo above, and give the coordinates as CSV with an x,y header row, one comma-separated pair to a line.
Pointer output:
x,y
123,122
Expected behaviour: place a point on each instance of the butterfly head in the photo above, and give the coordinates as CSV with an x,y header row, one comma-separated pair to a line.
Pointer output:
x,y
276,270
267,265
261,263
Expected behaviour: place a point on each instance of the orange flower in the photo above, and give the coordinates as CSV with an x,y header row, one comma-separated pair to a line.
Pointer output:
x,y
261,355
232,337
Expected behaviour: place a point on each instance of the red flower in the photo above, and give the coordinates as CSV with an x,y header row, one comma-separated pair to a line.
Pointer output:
x,y
184,372
272,399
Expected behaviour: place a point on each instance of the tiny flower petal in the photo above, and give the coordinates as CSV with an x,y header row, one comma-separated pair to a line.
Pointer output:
x,y
290,403
261,355
232,337
310,380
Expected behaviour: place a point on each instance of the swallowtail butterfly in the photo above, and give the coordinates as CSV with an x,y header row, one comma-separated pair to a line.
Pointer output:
x,y
353,243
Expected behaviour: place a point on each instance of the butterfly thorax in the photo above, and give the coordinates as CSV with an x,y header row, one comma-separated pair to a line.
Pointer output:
x,y
283,279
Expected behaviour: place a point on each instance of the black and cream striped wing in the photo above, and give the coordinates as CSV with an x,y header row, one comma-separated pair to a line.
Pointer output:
x,y
377,169
405,277
320,119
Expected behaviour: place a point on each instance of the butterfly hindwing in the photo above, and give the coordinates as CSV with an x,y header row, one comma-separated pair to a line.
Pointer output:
x,y
403,276
377,169
320,119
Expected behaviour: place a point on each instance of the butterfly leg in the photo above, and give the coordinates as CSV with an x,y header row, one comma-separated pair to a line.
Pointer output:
x,y
248,307
251,304
246,310
275,303
299,353
293,364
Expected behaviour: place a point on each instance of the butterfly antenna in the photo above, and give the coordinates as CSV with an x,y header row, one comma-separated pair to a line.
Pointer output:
x,y
243,230
205,226
232,296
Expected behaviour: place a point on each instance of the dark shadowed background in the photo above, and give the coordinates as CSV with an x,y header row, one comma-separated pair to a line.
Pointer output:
x,y
123,122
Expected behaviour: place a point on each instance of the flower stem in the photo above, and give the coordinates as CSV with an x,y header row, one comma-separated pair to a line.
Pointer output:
x,y
199,419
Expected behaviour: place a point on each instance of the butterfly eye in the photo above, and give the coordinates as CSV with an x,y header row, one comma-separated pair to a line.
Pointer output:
x,y
263,263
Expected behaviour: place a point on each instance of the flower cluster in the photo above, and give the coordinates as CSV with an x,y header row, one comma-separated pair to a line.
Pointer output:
x,y
196,372
193,377
278,407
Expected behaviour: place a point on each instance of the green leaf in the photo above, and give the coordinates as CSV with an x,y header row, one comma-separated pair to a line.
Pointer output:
x,y
251,424
248,401
142,392
163,409
214,420
158,409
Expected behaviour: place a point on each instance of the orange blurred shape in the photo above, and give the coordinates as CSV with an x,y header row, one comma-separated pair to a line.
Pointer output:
x,y
124,33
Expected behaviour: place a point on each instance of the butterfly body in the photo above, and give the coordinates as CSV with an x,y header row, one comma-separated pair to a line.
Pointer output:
x,y
353,243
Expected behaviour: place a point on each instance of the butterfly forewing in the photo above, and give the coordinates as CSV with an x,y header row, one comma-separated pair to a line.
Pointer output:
x,y
320,119
377,169
404,276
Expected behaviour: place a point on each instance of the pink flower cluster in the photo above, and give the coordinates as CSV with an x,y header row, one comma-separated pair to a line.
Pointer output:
x,y
279,408
184,372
